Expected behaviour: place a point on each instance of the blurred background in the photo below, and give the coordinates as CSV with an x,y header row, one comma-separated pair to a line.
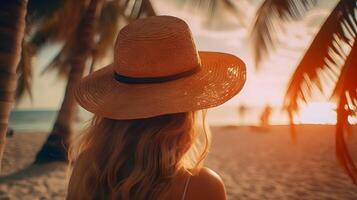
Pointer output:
x,y
290,133
215,28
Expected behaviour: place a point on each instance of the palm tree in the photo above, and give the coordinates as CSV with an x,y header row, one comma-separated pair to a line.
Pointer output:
x,y
12,26
88,38
81,48
331,57
37,10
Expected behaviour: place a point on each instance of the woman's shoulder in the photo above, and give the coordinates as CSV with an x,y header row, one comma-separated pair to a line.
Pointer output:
x,y
208,176
207,184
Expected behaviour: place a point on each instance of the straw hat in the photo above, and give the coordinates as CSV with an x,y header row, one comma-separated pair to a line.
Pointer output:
x,y
157,70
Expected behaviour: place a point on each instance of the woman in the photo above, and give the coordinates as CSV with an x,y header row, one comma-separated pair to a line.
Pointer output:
x,y
143,142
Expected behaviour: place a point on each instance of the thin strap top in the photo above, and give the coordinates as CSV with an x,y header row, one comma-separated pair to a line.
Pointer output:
x,y
185,189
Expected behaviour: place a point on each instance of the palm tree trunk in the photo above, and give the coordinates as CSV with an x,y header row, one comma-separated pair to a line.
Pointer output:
x,y
12,27
342,152
346,86
57,143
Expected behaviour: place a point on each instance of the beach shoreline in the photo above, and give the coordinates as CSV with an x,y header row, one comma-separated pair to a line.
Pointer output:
x,y
254,164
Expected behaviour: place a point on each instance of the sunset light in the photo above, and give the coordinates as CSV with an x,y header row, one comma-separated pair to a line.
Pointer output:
x,y
178,99
317,113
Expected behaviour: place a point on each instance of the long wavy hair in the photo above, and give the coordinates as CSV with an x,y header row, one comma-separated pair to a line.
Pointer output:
x,y
136,159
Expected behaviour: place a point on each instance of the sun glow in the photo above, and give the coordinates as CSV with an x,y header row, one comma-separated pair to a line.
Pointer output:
x,y
317,113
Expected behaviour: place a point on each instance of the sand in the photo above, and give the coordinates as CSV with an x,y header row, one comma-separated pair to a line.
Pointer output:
x,y
252,163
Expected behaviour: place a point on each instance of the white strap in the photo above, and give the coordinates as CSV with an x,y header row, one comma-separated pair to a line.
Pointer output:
x,y
186,186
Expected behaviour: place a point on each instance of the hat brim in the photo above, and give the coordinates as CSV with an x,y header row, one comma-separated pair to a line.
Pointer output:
x,y
222,76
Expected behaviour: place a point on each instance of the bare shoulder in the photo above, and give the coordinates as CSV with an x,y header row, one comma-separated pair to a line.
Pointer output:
x,y
208,185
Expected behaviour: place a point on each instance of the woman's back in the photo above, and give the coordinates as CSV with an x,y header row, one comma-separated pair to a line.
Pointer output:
x,y
139,159
206,185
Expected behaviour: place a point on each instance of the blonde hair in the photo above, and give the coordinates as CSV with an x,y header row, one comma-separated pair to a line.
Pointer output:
x,y
135,159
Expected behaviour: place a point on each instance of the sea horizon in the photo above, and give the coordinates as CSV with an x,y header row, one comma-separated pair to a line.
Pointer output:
x,y
41,120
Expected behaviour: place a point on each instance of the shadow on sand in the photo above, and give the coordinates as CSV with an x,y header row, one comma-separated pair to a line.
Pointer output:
x,y
33,171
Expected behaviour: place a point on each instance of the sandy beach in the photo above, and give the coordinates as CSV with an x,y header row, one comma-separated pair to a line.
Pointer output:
x,y
254,164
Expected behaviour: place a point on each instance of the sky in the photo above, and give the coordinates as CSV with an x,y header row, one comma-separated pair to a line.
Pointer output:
x,y
264,86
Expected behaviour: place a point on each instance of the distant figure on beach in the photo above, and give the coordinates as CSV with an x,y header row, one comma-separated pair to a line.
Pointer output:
x,y
10,132
143,142
242,109
265,117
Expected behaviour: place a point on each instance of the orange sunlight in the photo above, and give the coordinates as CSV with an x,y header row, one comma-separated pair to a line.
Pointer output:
x,y
317,113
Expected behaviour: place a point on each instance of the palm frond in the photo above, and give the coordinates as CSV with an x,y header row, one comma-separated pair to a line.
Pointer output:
x,y
134,9
106,30
37,10
324,56
346,95
212,8
105,33
62,61
108,24
24,73
147,9
60,28
60,25
332,54
268,21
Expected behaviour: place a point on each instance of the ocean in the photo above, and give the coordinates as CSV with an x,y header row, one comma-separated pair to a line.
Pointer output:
x,y
32,120
42,120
